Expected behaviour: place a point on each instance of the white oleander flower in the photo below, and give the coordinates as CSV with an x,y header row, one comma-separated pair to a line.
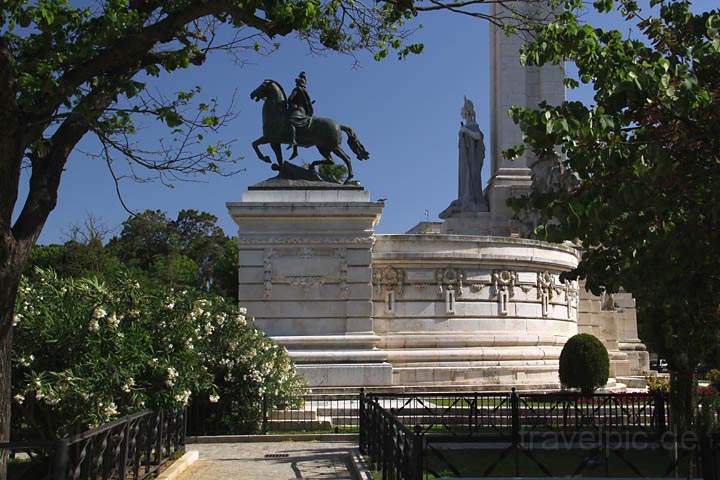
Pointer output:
x,y
17,318
183,397
19,398
111,410
113,321
172,373
214,398
242,311
170,306
240,320
99,313
94,325
128,385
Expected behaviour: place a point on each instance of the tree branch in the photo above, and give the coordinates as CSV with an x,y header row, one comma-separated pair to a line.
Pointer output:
x,y
47,168
10,149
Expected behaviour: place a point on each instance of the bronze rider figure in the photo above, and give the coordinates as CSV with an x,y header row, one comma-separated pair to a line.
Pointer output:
x,y
300,111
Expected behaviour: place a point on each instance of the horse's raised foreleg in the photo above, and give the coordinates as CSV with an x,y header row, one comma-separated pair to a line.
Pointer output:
x,y
278,152
256,146
345,158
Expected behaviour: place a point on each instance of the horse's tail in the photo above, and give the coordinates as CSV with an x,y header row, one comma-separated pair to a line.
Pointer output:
x,y
358,149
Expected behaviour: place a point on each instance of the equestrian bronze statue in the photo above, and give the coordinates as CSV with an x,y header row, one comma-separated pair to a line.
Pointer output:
x,y
291,121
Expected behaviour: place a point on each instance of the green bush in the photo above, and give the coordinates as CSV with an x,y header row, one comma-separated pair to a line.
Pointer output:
x,y
86,352
584,363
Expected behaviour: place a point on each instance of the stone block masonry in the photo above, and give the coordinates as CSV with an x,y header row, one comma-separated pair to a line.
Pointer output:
x,y
305,276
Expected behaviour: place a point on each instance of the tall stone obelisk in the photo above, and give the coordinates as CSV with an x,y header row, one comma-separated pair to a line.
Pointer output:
x,y
514,84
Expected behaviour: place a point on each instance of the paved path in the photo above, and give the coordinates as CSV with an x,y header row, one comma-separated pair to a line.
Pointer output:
x,y
255,461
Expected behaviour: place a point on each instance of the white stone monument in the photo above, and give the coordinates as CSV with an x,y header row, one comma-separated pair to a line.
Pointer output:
x,y
462,304
305,276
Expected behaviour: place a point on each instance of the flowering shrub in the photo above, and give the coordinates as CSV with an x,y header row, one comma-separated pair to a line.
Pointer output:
x,y
658,384
86,352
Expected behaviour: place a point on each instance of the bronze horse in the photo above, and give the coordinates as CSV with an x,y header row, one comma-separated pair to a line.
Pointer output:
x,y
322,133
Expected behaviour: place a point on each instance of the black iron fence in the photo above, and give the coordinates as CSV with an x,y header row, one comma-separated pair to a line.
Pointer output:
x,y
425,436
317,413
456,413
132,447
511,413
391,447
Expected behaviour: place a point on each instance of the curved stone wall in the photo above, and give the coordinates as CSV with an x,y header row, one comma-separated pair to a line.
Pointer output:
x,y
470,310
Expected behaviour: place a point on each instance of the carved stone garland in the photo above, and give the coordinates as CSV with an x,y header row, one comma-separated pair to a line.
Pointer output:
x,y
268,256
342,260
545,290
389,278
450,279
390,281
503,282
571,295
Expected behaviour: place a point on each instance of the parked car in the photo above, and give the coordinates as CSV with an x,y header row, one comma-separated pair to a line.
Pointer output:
x,y
660,365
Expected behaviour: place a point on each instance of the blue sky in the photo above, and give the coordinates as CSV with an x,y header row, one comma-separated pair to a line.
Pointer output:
x,y
407,114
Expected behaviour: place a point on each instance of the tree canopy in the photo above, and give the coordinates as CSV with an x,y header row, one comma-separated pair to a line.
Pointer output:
x,y
636,176
191,251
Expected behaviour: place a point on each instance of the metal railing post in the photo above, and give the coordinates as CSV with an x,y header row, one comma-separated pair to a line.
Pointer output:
x,y
418,446
660,412
159,440
264,425
122,472
515,415
362,429
183,435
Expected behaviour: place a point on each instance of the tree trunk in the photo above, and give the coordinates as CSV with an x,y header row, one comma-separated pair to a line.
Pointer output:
x,y
8,291
13,256
682,398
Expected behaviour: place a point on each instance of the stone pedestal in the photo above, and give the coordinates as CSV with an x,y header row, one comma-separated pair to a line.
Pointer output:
x,y
305,276
467,223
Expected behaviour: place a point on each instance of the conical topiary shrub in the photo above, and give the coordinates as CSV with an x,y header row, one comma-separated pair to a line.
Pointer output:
x,y
584,363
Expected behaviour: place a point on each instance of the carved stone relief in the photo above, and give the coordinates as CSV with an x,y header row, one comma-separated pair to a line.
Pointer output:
x,y
450,279
268,255
545,290
343,263
504,282
305,267
389,278
571,296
